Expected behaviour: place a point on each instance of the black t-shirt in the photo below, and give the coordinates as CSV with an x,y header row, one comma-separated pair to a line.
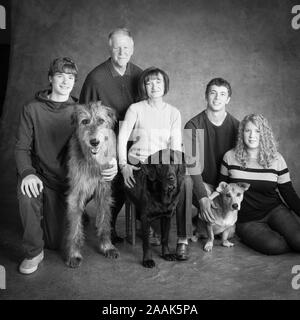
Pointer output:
x,y
217,141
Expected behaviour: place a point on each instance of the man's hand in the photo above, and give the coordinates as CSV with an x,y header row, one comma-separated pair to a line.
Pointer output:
x,y
110,173
32,185
205,210
127,172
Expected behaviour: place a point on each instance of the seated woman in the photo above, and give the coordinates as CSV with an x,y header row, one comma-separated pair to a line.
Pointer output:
x,y
265,223
152,125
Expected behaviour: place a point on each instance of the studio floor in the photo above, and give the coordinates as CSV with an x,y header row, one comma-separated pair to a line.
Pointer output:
x,y
225,273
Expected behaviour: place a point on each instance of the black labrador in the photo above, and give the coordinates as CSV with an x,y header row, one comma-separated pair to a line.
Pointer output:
x,y
159,184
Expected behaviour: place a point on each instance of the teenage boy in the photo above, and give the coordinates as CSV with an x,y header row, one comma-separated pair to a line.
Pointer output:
x,y
219,131
41,149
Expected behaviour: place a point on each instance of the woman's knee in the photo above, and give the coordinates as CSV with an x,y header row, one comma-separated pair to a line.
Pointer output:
x,y
261,239
268,246
294,242
272,247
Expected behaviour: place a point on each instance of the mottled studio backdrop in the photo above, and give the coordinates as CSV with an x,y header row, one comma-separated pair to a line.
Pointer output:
x,y
251,43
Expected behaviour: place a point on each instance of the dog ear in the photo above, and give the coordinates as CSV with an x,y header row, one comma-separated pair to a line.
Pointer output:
x,y
150,171
74,115
222,186
180,170
244,185
112,116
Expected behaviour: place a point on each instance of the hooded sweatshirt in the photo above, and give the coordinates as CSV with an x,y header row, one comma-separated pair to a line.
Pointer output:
x,y
42,140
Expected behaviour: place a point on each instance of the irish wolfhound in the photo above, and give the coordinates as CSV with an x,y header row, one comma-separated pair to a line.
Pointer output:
x,y
92,146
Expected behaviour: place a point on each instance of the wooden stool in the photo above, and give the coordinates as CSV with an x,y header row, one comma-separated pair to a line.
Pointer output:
x,y
130,222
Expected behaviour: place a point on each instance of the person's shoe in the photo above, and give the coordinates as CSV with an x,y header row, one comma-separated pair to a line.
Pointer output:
x,y
30,265
182,251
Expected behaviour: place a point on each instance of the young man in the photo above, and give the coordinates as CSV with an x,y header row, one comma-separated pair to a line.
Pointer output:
x,y
214,132
114,82
41,151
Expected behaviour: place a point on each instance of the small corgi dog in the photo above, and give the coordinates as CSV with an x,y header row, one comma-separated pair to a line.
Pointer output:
x,y
227,202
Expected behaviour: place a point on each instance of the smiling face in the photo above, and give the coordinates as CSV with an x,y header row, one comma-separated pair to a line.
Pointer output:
x,y
62,84
251,136
155,86
217,98
121,50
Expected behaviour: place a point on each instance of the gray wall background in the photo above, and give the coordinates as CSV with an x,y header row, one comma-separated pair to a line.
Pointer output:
x,y
249,42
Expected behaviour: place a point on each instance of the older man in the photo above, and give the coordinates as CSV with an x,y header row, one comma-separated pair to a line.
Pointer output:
x,y
114,82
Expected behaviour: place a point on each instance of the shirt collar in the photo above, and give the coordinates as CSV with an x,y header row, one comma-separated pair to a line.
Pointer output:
x,y
115,73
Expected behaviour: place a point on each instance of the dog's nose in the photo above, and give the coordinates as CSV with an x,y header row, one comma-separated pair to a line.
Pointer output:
x,y
94,142
235,206
171,178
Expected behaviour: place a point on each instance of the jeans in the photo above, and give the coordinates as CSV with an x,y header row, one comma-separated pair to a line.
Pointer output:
x,y
278,232
184,210
43,220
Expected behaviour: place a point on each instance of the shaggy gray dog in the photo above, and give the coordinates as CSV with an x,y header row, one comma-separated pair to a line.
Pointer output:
x,y
92,146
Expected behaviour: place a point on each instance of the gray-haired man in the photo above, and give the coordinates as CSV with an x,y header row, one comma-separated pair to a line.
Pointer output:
x,y
114,82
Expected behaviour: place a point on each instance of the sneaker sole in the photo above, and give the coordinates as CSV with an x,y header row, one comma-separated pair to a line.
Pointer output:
x,y
33,269
28,271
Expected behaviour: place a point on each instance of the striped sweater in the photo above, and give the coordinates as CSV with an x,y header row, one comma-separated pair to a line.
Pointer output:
x,y
266,186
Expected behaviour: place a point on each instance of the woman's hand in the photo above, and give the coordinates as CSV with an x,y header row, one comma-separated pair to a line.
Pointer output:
x,y
127,171
32,185
110,173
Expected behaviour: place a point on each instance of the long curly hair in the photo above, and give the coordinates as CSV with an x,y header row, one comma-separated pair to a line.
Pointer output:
x,y
267,144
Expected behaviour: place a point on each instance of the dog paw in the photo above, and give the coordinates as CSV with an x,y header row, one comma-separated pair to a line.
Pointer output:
x,y
149,263
74,262
227,244
208,246
170,256
112,254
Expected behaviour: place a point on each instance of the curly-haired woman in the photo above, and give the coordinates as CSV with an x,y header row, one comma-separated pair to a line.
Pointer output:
x,y
265,221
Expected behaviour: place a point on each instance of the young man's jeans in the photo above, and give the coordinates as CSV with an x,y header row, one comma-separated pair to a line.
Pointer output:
x,y
277,233
184,210
42,219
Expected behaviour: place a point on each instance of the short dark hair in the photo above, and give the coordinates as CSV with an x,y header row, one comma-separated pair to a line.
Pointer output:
x,y
218,82
63,65
146,75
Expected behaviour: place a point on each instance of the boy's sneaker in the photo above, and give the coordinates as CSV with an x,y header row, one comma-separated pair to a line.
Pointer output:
x,y
30,265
